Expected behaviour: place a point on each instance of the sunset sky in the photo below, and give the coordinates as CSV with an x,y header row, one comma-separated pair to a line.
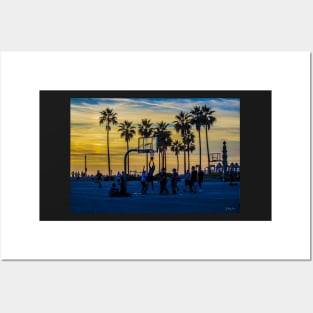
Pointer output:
x,y
88,137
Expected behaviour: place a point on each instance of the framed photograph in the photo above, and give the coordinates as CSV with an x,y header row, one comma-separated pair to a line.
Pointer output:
x,y
252,204
155,155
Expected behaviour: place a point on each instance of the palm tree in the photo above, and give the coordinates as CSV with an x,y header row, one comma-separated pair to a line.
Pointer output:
x,y
176,147
182,124
209,120
198,121
127,131
188,141
164,139
108,117
145,130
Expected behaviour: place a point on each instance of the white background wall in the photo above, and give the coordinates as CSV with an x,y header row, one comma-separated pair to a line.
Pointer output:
x,y
98,286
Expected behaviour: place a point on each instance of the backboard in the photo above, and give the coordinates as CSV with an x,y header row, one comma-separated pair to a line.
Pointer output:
x,y
215,157
147,144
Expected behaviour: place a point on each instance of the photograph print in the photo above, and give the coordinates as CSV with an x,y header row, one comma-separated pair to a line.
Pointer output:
x,y
154,157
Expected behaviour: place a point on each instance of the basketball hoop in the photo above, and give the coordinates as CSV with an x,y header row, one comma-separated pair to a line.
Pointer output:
x,y
151,154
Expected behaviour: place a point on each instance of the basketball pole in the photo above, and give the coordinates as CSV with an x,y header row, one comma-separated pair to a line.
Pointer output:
x,y
125,161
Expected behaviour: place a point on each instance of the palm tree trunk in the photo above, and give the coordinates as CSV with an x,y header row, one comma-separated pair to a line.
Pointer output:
x,y
183,136
127,158
165,159
199,148
108,147
177,163
159,160
207,148
188,158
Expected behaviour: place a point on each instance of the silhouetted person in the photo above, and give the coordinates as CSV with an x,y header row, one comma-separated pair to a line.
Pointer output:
x,y
114,192
151,171
187,181
174,180
118,177
163,182
231,177
99,177
193,180
123,192
200,179
143,182
122,183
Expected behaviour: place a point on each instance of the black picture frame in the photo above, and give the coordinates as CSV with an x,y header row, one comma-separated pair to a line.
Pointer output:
x,y
255,155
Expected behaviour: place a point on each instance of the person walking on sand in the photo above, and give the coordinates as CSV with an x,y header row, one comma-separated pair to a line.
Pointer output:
x,y
163,182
